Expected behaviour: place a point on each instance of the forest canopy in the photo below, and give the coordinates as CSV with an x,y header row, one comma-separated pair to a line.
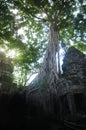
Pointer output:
x,y
25,25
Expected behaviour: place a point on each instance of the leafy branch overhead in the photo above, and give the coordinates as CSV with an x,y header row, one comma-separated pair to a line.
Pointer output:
x,y
33,19
69,15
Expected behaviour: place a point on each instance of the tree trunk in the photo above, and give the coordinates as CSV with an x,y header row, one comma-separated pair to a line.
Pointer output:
x,y
52,48
58,64
49,68
47,77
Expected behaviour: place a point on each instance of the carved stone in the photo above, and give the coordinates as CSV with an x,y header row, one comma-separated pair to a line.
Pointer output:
x,y
73,81
6,77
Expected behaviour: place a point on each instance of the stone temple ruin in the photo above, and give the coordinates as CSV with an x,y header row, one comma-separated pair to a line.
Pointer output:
x,y
6,70
72,84
69,97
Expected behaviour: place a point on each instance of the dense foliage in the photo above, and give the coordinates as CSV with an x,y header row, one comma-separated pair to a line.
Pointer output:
x,y
34,18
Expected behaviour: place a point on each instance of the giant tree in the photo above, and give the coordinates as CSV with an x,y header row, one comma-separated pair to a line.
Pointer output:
x,y
65,20
59,16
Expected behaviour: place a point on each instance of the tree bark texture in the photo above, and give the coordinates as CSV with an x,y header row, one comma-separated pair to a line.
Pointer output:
x,y
47,78
49,68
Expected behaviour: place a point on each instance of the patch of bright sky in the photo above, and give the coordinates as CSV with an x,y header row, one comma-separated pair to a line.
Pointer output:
x,y
21,32
2,50
71,42
10,53
31,78
51,2
42,15
15,11
61,53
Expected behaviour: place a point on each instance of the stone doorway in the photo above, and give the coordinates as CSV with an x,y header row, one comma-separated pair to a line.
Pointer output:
x,y
80,103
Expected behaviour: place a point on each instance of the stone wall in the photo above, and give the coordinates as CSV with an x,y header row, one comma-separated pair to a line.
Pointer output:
x,y
72,83
74,72
6,76
62,100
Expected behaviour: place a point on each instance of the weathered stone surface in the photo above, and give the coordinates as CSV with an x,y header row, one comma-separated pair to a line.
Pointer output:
x,y
74,68
61,95
72,83
35,107
6,77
